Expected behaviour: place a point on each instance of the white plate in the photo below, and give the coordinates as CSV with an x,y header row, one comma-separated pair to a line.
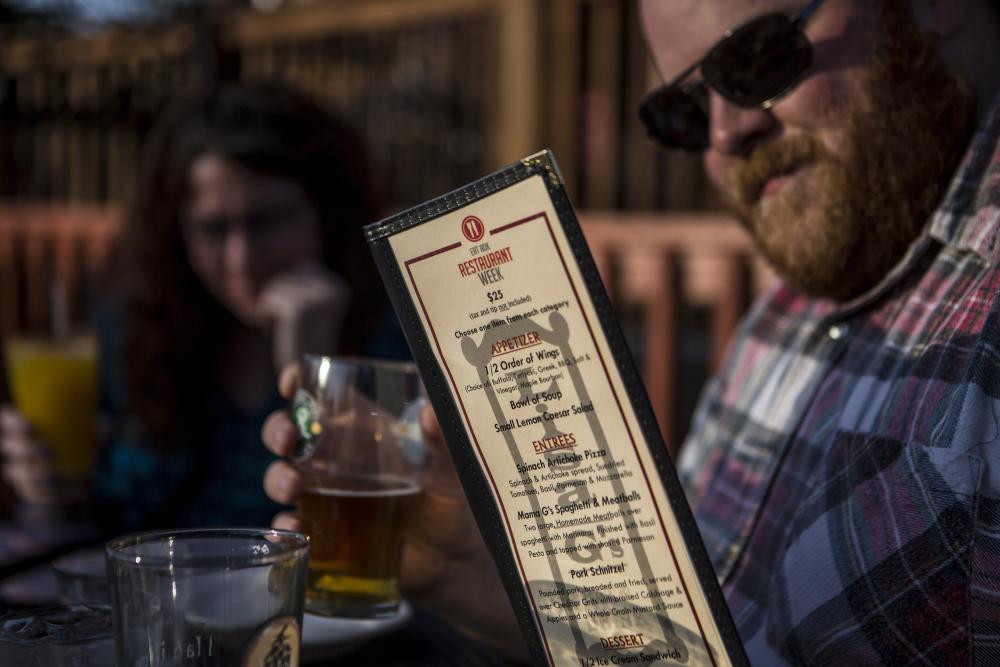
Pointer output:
x,y
323,636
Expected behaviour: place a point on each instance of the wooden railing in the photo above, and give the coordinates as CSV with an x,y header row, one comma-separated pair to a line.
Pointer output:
x,y
465,85
660,264
45,248
653,264
449,81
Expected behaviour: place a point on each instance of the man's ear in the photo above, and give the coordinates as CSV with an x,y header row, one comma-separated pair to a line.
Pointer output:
x,y
939,17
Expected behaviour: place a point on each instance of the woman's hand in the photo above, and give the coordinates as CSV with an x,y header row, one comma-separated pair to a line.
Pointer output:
x,y
446,565
27,461
306,309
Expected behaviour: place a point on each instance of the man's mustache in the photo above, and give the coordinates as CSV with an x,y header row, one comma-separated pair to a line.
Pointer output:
x,y
767,161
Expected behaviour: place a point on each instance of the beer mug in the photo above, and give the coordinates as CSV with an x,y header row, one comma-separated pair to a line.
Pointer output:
x,y
362,457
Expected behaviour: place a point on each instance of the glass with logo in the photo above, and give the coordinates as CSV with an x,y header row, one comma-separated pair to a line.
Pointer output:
x,y
210,597
362,457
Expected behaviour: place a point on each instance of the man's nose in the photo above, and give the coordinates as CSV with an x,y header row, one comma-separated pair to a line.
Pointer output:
x,y
736,130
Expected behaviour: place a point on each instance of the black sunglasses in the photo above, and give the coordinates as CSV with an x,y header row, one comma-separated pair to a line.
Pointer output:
x,y
751,66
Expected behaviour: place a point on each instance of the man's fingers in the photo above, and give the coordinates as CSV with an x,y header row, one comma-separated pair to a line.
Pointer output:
x,y
287,521
430,426
289,380
282,483
440,471
279,433
431,430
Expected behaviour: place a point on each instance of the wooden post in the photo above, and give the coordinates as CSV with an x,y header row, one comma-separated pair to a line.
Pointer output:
x,y
36,273
599,103
517,94
660,334
731,303
10,282
561,64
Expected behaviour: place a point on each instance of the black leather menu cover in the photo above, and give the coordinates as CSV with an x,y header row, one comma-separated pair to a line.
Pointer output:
x,y
549,425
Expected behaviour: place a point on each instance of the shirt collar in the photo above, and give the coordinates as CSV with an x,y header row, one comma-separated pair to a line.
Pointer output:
x,y
969,215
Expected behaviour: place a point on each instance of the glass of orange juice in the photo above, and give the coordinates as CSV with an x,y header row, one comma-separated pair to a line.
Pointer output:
x,y
53,382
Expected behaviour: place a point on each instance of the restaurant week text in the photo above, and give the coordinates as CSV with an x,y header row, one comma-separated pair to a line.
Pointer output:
x,y
503,352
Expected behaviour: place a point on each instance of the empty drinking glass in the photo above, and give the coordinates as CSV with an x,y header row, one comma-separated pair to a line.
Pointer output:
x,y
204,597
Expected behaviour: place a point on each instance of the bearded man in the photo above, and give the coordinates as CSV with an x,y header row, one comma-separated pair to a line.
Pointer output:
x,y
844,465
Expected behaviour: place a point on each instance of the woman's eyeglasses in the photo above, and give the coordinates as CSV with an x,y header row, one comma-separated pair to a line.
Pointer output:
x,y
260,224
751,66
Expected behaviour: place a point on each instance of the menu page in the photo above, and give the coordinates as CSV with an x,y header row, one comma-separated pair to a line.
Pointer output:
x,y
516,335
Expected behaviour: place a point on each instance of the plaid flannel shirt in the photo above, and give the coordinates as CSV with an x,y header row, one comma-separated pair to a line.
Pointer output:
x,y
844,466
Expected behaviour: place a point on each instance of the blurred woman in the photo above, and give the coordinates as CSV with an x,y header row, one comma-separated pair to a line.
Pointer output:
x,y
242,249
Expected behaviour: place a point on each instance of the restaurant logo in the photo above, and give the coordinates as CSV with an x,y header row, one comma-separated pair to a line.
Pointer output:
x,y
473,228
277,644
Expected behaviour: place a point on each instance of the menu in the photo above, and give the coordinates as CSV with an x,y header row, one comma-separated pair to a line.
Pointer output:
x,y
550,428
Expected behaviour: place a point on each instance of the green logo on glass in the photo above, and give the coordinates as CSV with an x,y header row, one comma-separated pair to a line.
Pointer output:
x,y
305,414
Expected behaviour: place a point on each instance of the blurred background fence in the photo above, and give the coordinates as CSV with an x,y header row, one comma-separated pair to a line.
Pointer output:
x,y
464,85
444,90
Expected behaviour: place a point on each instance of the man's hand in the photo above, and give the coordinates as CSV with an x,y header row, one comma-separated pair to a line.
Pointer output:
x,y
446,565
305,309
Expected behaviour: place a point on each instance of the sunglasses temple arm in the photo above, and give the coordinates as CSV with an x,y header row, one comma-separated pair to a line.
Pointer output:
x,y
808,11
685,74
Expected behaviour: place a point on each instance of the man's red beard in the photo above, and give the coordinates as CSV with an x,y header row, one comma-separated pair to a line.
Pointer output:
x,y
841,224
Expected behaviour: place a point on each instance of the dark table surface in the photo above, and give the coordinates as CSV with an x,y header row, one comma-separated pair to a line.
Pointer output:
x,y
27,581
31,540
425,641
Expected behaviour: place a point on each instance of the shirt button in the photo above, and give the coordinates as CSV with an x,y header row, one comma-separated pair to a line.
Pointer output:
x,y
837,331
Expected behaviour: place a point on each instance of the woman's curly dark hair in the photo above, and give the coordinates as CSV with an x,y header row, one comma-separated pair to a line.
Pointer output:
x,y
173,329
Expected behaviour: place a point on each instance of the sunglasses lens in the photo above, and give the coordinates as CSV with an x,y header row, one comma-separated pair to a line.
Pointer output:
x,y
759,62
676,118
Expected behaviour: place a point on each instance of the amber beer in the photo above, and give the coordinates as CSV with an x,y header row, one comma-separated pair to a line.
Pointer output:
x,y
355,525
